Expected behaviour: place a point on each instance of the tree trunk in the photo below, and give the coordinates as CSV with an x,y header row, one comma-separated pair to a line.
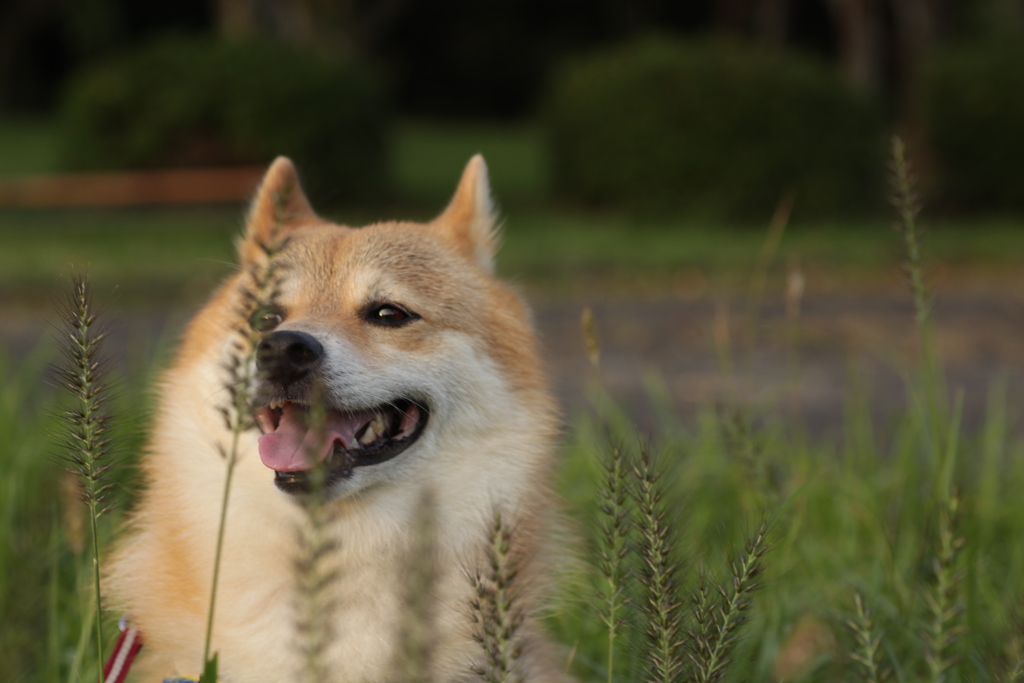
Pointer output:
x,y
285,20
732,17
915,35
771,19
859,42
17,20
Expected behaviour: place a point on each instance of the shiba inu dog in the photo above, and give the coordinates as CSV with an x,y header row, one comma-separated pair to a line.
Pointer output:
x,y
431,381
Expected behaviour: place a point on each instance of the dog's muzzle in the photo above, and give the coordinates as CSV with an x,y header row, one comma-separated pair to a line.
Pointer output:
x,y
304,431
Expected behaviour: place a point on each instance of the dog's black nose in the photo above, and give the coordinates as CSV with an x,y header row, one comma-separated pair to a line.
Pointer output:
x,y
286,356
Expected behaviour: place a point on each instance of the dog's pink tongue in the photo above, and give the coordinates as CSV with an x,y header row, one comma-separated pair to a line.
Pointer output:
x,y
294,447
283,450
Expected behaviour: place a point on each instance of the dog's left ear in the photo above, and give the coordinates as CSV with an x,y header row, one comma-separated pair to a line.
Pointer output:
x,y
280,206
470,218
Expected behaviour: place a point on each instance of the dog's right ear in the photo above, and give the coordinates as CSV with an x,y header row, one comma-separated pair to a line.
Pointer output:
x,y
470,217
279,207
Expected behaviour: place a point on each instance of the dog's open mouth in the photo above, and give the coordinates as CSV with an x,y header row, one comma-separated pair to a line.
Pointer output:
x,y
295,441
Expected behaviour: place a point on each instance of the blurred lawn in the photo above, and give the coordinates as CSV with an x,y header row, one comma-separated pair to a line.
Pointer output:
x,y
428,158
27,146
161,256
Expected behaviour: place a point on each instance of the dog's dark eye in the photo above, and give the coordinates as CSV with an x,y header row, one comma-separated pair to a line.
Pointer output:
x,y
390,315
266,318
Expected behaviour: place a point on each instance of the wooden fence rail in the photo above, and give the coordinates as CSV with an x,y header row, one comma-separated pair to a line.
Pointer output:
x,y
132,188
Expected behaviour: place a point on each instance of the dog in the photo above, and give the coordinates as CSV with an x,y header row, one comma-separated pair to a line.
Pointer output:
x,y
428,369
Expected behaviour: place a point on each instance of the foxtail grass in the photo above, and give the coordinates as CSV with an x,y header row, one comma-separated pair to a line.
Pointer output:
x,y
603,403
87,446
314,573
749,448
796,283
945,602
908,208
495,608
717,619
259,294
759,276
588,326
868,654
612,548
1017,672
660,603
416,636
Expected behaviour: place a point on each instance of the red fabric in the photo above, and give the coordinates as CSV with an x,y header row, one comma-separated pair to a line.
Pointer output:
x,y
125,651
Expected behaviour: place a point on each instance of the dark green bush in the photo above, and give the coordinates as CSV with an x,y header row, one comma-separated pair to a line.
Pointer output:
x,y
975,113
712,129
198,102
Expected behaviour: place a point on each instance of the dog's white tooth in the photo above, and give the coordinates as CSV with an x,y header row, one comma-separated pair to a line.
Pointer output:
x,y
369,436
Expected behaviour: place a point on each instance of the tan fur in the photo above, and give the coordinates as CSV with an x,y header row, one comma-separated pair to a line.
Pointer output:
x,y
489,442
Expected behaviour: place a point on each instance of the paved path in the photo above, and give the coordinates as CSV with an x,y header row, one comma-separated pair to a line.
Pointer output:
x,y
697,353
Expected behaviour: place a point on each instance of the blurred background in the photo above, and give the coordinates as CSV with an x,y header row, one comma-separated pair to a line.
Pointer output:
x,y
708,177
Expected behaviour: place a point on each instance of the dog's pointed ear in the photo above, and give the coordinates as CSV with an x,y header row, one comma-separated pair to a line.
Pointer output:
x,y
470,218
280,205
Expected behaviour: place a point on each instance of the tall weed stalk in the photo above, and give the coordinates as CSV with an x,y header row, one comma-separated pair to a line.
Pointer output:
x,y
87,446
867,655
944,599
1017,672
615,527
314,578
660,603
315,547
908,208
717,618
259,295
416,638
945,604
494,607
